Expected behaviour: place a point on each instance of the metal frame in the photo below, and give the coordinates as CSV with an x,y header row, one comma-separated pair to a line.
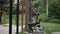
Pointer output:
x,y
10,17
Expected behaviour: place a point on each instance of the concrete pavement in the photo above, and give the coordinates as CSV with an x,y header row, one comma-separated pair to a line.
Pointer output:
x,y
5,29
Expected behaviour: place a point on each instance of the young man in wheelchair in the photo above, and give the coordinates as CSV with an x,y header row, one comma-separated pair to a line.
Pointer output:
x,y
35,22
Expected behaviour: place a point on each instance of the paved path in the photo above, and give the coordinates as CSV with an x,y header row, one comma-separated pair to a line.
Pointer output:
x,y
5,29
55,32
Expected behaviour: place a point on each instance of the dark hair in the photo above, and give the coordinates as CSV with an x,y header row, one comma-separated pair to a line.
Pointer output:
x,y
35,14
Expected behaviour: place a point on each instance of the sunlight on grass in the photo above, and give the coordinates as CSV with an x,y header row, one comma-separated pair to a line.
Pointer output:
x,y
51,27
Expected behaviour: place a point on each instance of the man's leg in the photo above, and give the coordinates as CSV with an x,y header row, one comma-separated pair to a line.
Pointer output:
x,y
30,27
36,24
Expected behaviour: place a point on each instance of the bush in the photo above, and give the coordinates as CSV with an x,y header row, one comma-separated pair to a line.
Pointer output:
x,y
44,18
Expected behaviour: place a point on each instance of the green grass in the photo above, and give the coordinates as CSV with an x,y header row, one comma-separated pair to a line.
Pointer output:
x,y
51,27
21,33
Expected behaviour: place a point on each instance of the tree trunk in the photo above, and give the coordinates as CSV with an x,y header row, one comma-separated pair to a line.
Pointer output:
x,y
47,8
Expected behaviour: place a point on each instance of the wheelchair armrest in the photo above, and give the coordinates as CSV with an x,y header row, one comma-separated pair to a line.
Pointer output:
x,y
37,25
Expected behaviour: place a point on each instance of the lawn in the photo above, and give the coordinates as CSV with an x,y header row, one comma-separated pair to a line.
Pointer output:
x,y
51,27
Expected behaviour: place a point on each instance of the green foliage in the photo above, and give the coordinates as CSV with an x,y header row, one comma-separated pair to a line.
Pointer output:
x,y
54,9
39,4
41,10
4,2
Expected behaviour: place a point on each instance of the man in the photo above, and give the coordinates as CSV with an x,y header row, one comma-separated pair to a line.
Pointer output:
x,y
35,22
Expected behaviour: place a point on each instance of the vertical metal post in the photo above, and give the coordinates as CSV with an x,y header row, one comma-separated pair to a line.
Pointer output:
x,y
17,15
10,18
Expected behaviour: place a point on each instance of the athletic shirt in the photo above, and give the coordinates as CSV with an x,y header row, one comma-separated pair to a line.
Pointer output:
x,y
36,18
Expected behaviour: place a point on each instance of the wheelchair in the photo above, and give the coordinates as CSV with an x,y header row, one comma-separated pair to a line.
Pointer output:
x,y
37,28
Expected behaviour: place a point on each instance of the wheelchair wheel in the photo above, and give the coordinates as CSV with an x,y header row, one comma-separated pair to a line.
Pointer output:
x,y
37,28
